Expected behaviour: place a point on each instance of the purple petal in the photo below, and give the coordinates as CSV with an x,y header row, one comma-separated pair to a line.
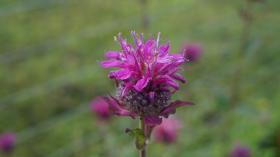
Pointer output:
x,y
142,83
116,107
173,84
170,109
112,63
138,40
126,47
122,42
166,68
178,59
121,74
149,45
172,70
112,54
126,89
168,81
179,78
164,60
163,49
152,120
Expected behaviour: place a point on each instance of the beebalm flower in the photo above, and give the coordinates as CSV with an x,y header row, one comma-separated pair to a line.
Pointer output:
x,y
192,51
101,109
240,151
167,131
7,142
146,77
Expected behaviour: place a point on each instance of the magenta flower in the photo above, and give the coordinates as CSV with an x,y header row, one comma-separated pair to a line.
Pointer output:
x,y
241,151
146,76
101,109
7,142
192,51
167,131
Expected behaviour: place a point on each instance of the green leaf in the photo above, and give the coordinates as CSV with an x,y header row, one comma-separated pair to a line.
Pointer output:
x,y
140,142
139,136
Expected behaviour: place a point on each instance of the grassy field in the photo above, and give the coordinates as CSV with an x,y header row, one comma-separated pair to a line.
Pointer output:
x,y
50,52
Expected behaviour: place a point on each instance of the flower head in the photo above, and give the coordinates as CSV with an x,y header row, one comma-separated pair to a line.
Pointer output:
x,y
167,131
241,151
7,142
101,109
146,78
192,51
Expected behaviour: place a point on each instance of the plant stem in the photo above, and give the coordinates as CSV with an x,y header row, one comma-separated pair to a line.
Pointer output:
x,y
246,18
142,152
145,18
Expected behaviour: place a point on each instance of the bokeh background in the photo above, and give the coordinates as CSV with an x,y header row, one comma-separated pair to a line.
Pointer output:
x,y
49,72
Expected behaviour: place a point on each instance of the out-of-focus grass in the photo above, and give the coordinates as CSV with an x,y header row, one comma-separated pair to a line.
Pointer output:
x,y
49,69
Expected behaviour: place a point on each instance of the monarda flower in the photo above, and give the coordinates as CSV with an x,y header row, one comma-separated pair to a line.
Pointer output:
x,y
146,76
240,151
7,142
192,51
101,109
167,131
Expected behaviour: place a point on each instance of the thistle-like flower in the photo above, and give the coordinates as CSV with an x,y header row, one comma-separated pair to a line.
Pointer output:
x,y
101,109
167,131
7,142
240,151
146,77
192,51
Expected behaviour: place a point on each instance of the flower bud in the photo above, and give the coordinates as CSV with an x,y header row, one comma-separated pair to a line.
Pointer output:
x,y
240,151
167,131
101,109
7,142
192,51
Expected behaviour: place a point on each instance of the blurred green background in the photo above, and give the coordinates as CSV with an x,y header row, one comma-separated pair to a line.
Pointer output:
x,y
49,54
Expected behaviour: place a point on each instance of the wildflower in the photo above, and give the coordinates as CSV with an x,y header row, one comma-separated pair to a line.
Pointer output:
x,y
192,51
167,131
101,108
146,77
241,151
7,142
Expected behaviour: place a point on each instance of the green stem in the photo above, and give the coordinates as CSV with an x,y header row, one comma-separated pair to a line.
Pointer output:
x,y
142,152
145,18
246,17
